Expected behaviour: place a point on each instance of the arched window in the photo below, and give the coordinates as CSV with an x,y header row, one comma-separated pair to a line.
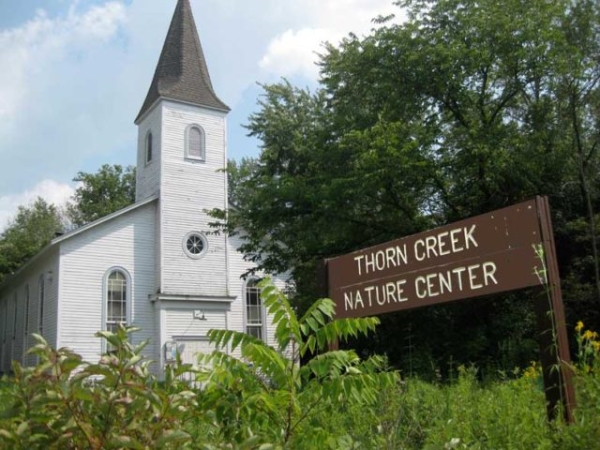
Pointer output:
x,y
41,305
15,313
5,326
117,298
254,310
149,147
194,143
26,327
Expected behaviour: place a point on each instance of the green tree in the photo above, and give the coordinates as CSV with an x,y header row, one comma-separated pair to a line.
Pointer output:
x,y
33,227
313,194
463,108
101,193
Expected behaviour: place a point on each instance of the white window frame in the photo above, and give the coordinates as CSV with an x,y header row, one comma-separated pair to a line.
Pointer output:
x,y
128,300
249,289
26,324
202,156
148,139
204,242
15,313
5,327
27,306
41,303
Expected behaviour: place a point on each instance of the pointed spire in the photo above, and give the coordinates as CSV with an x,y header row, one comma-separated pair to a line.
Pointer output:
x,y
181,72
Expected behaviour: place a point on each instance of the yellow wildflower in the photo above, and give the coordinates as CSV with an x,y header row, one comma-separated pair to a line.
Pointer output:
x,y
579,326
590,335
533,371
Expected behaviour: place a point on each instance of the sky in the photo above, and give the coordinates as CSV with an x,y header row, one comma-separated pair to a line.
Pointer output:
x,y
74,74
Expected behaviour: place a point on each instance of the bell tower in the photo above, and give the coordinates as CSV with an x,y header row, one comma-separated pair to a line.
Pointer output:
x,y
182,149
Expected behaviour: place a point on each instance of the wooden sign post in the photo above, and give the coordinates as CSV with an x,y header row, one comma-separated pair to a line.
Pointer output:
x,y
506,249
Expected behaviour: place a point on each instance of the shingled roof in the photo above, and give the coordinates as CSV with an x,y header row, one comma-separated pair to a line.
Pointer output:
x,y
181,72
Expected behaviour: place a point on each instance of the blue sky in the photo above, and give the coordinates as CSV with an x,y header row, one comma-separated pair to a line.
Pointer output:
x,y
74,73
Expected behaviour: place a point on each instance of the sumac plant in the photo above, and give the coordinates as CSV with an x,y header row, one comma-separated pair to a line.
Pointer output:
x,y
265,397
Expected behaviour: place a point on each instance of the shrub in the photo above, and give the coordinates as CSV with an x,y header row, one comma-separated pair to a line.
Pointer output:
x,y
266,397
66,403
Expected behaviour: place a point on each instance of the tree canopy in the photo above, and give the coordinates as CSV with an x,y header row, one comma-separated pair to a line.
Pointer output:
x,y
108,190
34,226
463,108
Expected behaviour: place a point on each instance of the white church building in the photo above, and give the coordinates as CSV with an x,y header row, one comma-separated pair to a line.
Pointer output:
x,y
155,264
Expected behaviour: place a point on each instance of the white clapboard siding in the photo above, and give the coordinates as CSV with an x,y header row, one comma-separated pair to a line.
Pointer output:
x,y
188,333
238,266
188,189
15,342
148,174
181,323
126,242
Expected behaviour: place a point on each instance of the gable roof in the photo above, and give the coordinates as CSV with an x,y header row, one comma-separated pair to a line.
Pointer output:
x,y
181,72
53,243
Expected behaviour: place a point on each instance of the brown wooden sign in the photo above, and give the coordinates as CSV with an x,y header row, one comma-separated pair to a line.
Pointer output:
x,y
506,249
491,253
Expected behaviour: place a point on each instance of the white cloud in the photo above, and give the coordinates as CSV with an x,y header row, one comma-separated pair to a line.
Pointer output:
x,y
52,191
53,88
72,79
295,51
28,52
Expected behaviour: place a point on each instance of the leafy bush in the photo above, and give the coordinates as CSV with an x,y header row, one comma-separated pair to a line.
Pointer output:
x,y
253,396
66,403
266,397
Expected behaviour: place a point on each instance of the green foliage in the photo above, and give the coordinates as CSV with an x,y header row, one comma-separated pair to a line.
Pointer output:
x,y
586,431
33,227
269,401
463,108
266,397
66,403
106,191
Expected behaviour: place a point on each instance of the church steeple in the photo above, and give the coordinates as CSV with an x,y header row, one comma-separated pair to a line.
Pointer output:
x,y
181,72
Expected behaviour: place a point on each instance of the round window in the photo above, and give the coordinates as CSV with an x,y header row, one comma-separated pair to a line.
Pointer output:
x,y
194,244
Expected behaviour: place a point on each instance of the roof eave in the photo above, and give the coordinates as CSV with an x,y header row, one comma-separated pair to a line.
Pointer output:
x,y
71,234
143,114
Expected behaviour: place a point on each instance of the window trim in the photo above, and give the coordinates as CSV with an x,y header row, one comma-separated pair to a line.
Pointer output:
x,y
15,315
202,156
41,302
251,284
204,241
27,306
149,139
5,325
128,301
25,358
